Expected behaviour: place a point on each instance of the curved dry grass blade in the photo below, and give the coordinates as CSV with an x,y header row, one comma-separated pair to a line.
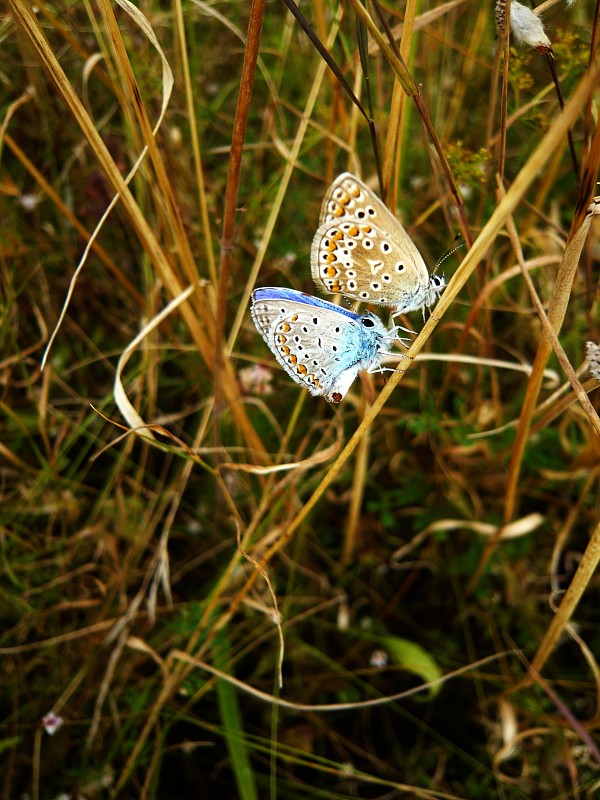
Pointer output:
x,y
327,707
560,354
133,419
581,580
320,457
556,312
549,330
68,214
516,529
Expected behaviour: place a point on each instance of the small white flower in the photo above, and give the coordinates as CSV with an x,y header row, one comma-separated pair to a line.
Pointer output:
x,y
466,191
52,722
29,202
379,658
343,619
256,379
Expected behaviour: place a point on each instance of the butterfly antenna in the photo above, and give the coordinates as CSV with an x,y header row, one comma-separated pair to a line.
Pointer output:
x,y
447,253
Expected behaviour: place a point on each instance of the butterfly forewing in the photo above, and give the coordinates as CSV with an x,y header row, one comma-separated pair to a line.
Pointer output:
x,y
361,250
349,199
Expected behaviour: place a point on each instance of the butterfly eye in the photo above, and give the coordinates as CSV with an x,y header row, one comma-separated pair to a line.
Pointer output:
x,y
367,322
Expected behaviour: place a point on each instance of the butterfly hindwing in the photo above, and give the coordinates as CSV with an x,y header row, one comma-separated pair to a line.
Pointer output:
x,y
320,345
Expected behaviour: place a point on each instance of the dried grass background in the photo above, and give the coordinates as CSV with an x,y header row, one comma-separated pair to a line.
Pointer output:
x,y
217,585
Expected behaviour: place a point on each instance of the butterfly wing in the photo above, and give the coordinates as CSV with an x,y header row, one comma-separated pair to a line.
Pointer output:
x,y
362,251
348,199
319,345
363,261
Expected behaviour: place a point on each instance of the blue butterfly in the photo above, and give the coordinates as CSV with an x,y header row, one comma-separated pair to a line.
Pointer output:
x,y
320,345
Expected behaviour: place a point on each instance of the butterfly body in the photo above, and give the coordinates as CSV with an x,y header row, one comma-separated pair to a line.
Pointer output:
x,y
321,346
362,251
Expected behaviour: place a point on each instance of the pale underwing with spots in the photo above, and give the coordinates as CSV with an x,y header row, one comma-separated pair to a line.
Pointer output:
x,y
362,251
321,346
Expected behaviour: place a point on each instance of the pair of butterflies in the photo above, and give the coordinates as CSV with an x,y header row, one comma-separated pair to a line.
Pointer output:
x,y
360,250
